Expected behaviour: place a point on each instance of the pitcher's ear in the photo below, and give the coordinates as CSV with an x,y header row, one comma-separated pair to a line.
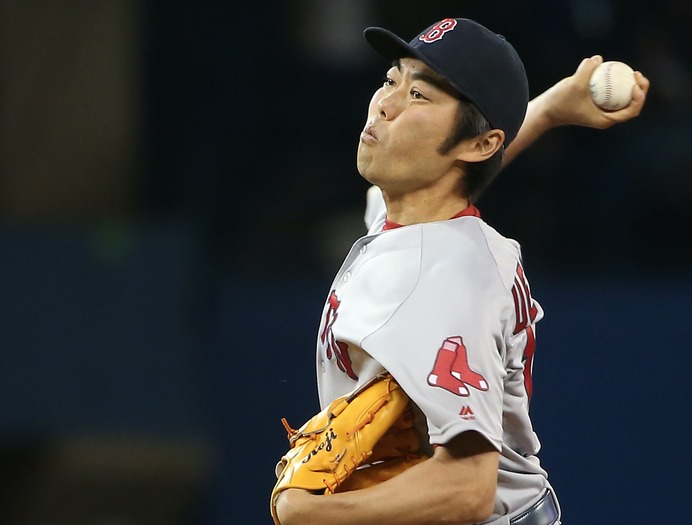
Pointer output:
x,y
481,147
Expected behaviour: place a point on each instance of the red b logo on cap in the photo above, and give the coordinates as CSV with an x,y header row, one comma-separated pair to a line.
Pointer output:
x,y
437,31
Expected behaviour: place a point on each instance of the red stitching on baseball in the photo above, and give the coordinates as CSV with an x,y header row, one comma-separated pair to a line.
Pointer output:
x,y
608,85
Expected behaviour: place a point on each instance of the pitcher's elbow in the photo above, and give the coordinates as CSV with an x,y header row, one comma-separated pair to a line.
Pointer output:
x,y
482,509
472,507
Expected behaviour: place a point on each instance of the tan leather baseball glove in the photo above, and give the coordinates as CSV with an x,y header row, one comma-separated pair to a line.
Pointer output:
x,y
357,441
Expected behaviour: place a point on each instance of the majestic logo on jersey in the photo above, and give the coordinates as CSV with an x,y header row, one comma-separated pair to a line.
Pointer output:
x,y
452,371
336,349
525,312
437,31
466,413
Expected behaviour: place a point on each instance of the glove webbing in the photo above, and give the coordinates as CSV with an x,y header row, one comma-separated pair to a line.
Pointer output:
x,y
294,434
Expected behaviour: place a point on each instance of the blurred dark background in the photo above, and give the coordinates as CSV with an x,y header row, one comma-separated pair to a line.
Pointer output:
x,y
177,187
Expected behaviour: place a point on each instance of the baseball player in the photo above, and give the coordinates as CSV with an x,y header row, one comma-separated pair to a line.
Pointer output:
x,y
434,295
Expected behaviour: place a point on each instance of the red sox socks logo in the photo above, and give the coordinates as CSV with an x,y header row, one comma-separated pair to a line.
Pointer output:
x,y
437,31
336,348
452,371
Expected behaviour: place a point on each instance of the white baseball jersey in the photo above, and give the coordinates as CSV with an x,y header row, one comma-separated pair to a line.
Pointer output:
x,y
445,307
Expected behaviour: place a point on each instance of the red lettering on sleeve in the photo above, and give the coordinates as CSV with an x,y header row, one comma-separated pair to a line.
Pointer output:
x,y
525,311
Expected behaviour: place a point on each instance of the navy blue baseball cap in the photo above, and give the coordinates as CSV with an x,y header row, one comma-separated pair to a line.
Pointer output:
x,y
481,65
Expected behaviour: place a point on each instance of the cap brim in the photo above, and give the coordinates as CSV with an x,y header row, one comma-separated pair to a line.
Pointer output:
x,y
387,44
391,47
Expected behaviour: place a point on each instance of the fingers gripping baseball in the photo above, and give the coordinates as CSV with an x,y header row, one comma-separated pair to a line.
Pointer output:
x,y
569,102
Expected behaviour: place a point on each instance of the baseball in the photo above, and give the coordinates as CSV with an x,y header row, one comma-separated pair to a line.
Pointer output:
x,y
611,85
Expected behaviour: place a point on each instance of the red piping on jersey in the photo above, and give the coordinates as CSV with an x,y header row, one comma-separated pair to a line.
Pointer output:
x,y
470,211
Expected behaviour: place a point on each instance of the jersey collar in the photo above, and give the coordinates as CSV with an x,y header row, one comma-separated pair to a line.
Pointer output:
x,y
470,211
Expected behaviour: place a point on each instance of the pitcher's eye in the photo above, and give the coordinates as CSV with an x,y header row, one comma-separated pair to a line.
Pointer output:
x,y
417,95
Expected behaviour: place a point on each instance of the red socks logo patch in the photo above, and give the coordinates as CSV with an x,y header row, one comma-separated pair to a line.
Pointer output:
x,y
452,371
